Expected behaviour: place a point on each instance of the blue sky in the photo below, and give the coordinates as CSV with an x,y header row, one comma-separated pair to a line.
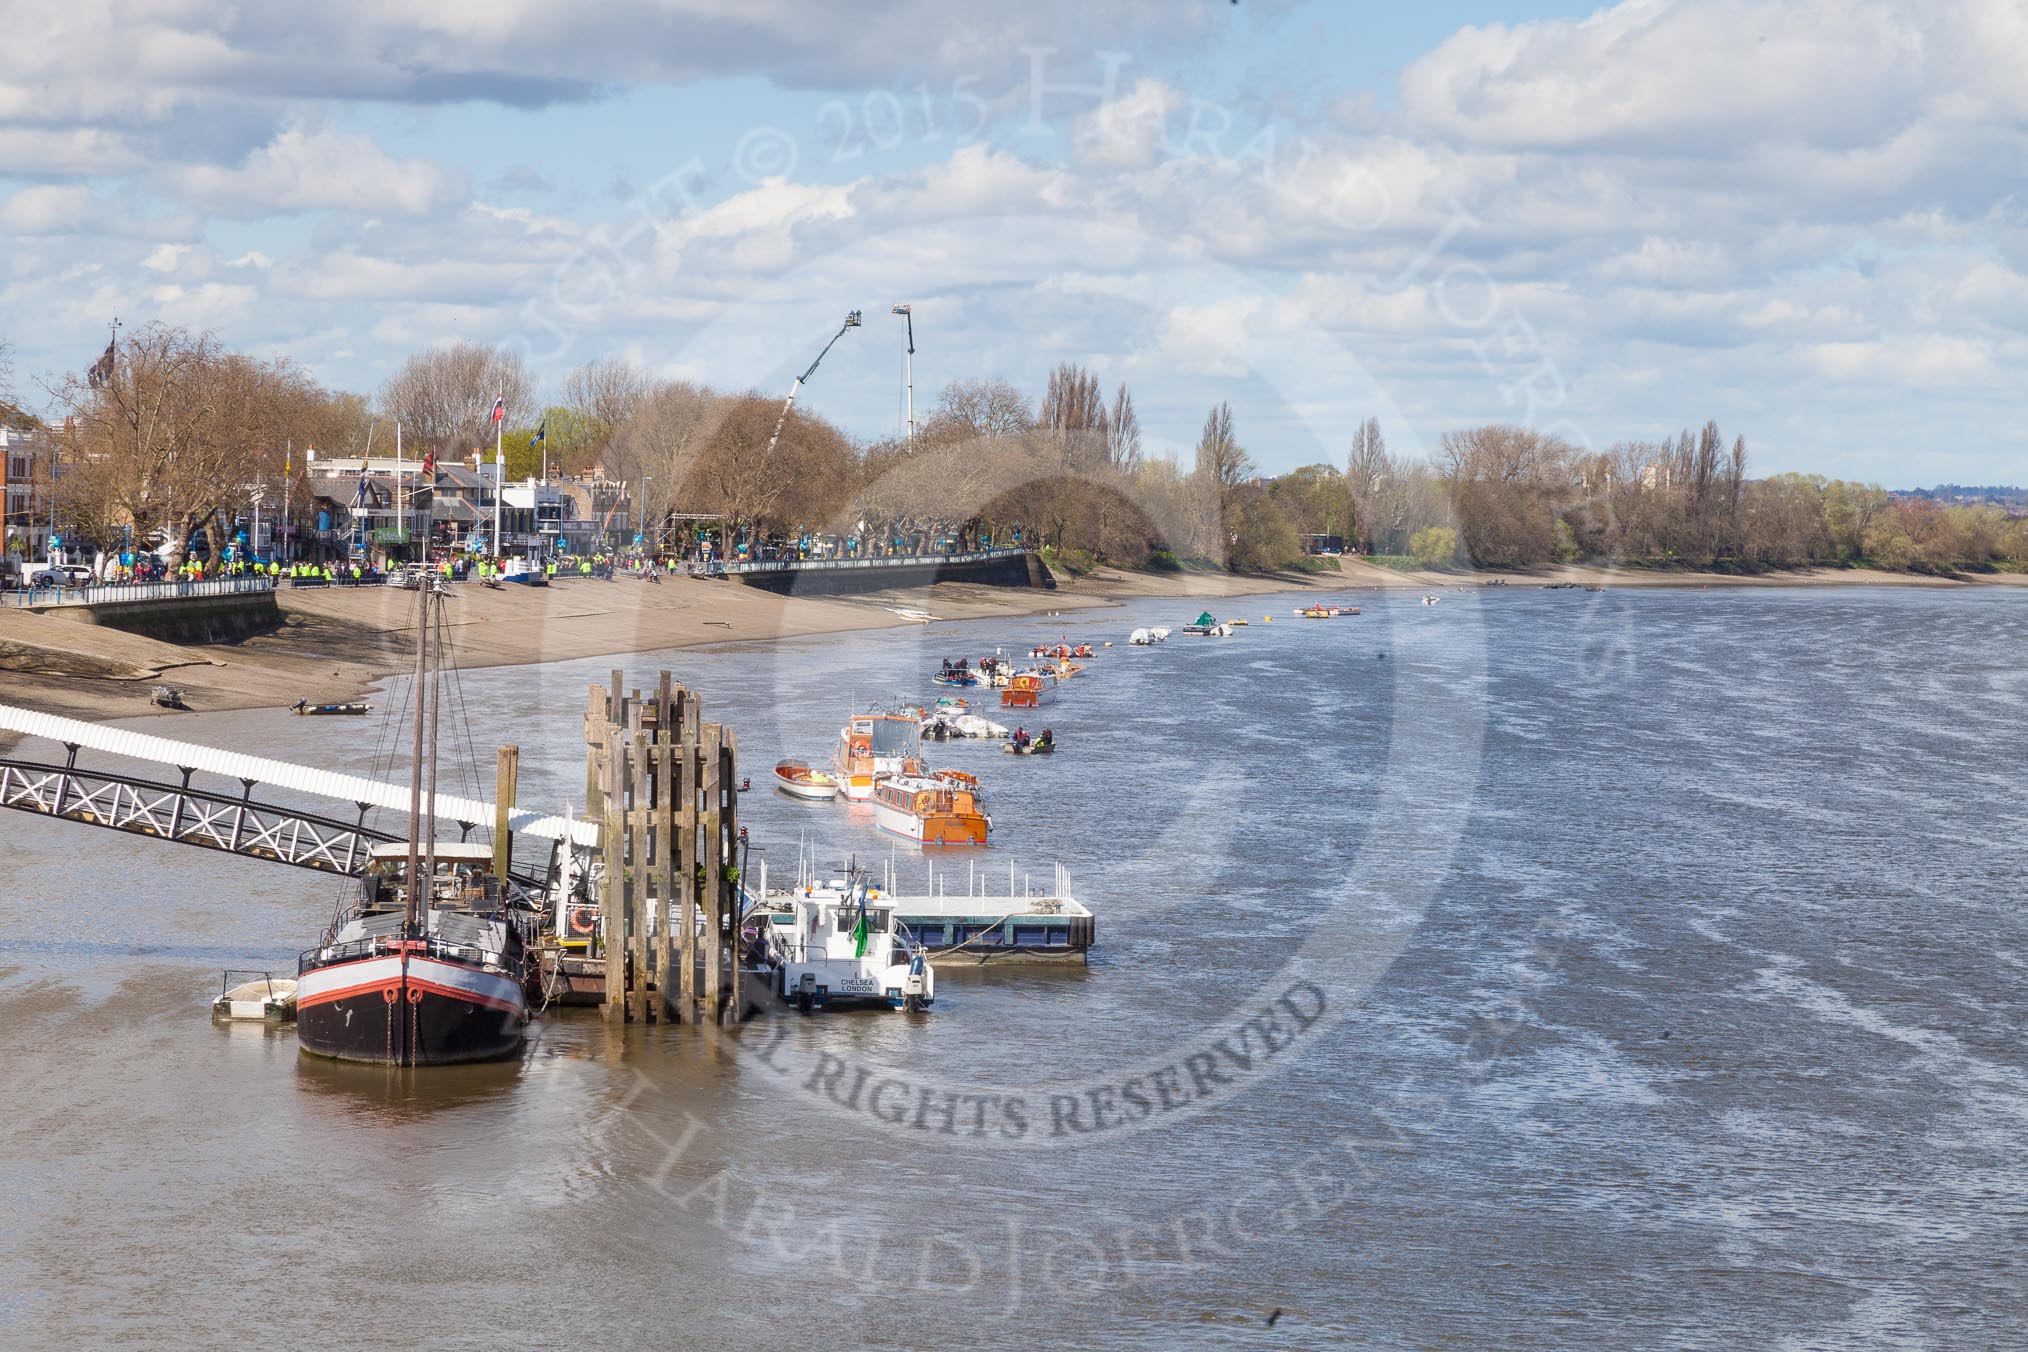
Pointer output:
x,y
1799,219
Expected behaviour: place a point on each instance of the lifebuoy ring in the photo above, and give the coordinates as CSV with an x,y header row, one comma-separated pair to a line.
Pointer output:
x,y
583,919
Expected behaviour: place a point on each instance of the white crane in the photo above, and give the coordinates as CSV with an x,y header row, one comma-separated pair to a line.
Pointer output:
x,y
908,363
851,322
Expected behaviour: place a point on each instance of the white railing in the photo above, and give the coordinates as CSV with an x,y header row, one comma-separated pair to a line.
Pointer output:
x,y
884,561
100,593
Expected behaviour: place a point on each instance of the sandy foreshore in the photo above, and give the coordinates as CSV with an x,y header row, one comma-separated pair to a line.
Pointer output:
x,y
1361,574
335,644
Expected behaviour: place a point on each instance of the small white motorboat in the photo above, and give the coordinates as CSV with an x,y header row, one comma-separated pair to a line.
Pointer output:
x,y
255,998
802,781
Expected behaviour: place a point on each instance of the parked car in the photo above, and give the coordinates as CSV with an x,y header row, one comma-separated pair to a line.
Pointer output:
x,y
58,575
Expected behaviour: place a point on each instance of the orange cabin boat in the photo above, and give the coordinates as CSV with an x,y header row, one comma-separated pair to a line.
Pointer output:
x,y
939,809
1026,691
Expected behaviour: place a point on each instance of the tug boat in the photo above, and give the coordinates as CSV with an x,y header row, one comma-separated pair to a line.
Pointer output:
x,y
942,808
838,945
800,781
428,966
875,744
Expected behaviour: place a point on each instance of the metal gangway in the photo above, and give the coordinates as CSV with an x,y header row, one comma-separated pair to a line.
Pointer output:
x,y
211,801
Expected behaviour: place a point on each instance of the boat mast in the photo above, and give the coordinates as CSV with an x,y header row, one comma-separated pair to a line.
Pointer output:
x,y
434,600
422,641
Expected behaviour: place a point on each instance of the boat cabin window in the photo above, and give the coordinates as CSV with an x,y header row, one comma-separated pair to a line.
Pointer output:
x,y
893,737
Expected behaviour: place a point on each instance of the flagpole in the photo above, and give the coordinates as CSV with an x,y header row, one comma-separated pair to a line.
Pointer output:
x,y
499,477
400,517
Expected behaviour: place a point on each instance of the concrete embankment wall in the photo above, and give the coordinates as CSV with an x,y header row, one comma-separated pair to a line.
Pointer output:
x,y
183,619
1014,570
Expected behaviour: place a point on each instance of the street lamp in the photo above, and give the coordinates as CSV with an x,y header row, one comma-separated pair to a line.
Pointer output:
x,y
642,531
908,362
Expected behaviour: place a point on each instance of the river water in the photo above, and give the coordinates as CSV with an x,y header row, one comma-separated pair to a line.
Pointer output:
x,y
1535,969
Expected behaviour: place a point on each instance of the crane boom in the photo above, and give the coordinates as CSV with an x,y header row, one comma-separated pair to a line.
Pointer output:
x,y
851,322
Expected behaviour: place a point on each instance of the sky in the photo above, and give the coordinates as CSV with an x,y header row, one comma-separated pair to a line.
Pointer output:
x,y
1804,220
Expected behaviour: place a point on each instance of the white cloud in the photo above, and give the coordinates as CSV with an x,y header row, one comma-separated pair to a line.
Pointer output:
x,y
1686,78
306,169
1127,132
38,152
45,211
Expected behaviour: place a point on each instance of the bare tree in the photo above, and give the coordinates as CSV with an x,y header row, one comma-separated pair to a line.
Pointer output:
x,y
179,435
605,394
1074,414
979,408
1123,433
443,396
1220,458
661,438
1369,474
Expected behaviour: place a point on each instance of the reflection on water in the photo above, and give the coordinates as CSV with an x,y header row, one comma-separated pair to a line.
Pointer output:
x,y
385,1095
1709,1036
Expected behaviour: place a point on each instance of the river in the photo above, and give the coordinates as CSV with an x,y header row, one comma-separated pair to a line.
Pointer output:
x,y
1537,969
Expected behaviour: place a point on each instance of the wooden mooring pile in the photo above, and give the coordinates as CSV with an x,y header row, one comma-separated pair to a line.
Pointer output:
x,y
661,783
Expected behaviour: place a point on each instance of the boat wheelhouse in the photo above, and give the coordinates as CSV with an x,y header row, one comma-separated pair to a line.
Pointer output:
x,y
943,808
838,944
1029,690
872,745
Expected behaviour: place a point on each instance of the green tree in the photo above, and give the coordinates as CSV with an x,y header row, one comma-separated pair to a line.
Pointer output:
x,y
1434,546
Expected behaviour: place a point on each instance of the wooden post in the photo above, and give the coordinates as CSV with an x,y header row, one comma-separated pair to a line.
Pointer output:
x,y
612,900
665,846
714,882
729,777
506,774
638,818
595,721
686,859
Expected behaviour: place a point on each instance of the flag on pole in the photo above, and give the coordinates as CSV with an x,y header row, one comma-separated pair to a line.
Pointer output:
x,y
101,374
861,932
430,461
541,435
500,409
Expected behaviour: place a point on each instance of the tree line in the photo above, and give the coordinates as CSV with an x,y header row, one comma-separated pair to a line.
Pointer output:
x,y
182,434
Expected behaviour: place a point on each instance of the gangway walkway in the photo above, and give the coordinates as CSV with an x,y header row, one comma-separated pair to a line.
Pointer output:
x,y
227,816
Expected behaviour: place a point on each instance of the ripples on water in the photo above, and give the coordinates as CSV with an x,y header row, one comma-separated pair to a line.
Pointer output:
x,y
1704,1030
